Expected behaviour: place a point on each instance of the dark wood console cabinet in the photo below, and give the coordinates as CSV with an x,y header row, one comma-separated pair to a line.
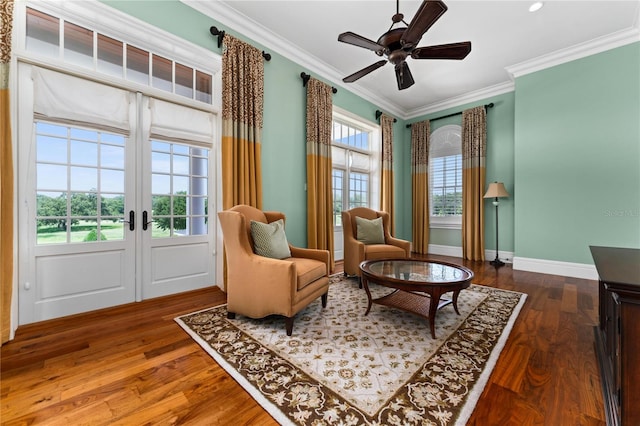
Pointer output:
x,y
618,333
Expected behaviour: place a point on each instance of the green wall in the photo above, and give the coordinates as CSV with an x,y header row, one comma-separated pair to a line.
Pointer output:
x,y
566,144
283,142
500,151
577,157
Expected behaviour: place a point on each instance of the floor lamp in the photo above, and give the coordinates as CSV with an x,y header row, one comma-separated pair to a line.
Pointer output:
x,y
496,190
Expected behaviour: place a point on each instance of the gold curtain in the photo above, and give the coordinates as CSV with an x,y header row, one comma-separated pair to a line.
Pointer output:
x,y
386,190
474,147
420,185
242,104
319,191
6,174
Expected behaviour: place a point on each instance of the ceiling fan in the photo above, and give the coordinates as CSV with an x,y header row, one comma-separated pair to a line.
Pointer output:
x,y
399,43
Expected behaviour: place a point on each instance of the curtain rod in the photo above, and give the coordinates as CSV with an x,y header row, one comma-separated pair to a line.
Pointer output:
x,y
305,78
452,115
379,113
220,33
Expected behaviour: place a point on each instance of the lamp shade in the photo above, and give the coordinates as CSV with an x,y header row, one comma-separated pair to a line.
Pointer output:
x,y
496,190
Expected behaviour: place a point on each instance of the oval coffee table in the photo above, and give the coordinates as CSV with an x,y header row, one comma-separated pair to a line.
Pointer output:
x,y
418,284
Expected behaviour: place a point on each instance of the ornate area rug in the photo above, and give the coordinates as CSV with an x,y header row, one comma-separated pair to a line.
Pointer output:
x,y
343,368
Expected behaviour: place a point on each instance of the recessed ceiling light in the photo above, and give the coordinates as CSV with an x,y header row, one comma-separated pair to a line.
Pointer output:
x,y
536,6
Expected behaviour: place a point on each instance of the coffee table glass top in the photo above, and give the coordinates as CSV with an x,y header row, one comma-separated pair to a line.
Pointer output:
x,y
417,271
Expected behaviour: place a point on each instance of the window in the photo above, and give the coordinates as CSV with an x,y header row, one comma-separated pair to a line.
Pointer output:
x,y
445,177
79,184
179,189
44,33
354,171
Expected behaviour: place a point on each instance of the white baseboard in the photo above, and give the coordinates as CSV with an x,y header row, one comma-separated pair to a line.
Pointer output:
x,y
542,266
554,267
455,251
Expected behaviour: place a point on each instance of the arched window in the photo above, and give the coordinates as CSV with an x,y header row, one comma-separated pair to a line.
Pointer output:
x,y
445,177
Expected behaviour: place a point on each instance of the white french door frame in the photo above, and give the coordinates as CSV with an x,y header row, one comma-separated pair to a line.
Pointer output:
x,y
135,257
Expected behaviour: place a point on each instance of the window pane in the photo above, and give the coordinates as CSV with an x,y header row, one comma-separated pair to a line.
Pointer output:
x,y
84,204
112,156
43,33
180,164
51,177
203,87
110,57
162,73
111,180
160,162
180,185
85,153
78,45
160,184
51,150
84,179
184,81
137,65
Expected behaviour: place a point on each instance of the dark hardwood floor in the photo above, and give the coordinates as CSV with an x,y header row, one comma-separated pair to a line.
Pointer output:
x,y
133,365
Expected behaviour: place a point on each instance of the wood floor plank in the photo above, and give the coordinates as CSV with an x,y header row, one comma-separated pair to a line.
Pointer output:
x,y
133,364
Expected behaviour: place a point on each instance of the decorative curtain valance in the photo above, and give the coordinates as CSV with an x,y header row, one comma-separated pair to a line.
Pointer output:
x,y
386,187
420,185
242,105
474,147
319,190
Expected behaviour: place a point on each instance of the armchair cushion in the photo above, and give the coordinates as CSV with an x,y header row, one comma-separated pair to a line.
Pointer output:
x,y
369,231
270,240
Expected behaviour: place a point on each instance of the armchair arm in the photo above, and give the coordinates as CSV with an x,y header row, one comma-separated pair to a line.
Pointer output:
x,y
404,245
315,254
353,249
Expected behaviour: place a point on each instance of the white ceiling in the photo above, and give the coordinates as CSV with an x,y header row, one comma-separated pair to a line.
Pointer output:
x,y
506,38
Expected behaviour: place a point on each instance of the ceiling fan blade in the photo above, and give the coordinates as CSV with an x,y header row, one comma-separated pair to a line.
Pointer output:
x,y
403,76
358,40
443,51
424,18
359,74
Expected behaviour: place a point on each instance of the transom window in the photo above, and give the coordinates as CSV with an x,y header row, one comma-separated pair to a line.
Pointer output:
x,y
50,36
445,177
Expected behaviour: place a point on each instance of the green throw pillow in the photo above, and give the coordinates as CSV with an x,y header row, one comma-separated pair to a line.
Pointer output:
x,y
369,231
269,239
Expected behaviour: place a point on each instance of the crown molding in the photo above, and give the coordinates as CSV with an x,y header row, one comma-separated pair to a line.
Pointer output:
x,y
230,17
477,95
578,51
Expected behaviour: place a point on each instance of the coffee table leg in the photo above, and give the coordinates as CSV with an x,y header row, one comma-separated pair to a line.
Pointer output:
x,y
455,301
365,283
433,308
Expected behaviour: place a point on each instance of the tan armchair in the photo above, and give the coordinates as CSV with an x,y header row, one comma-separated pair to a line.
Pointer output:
x,y
258,286
356,252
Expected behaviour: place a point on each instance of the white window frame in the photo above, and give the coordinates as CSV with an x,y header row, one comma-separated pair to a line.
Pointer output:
x,y
439,137
375,147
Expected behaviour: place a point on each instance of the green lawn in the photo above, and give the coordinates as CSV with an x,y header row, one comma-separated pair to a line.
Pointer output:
x,y
112,231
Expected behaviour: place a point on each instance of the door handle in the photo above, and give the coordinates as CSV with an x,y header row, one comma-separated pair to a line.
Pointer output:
x,y
131,221
145,222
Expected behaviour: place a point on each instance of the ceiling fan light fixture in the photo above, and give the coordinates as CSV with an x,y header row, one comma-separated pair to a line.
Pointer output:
x,y
536,6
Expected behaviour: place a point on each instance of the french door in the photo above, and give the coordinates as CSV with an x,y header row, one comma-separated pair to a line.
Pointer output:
x,y
114,191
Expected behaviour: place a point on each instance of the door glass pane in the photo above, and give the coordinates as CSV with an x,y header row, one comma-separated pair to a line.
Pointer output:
x,y
43,33
137,65
110,56
162,73
78,45
71,206
179,185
